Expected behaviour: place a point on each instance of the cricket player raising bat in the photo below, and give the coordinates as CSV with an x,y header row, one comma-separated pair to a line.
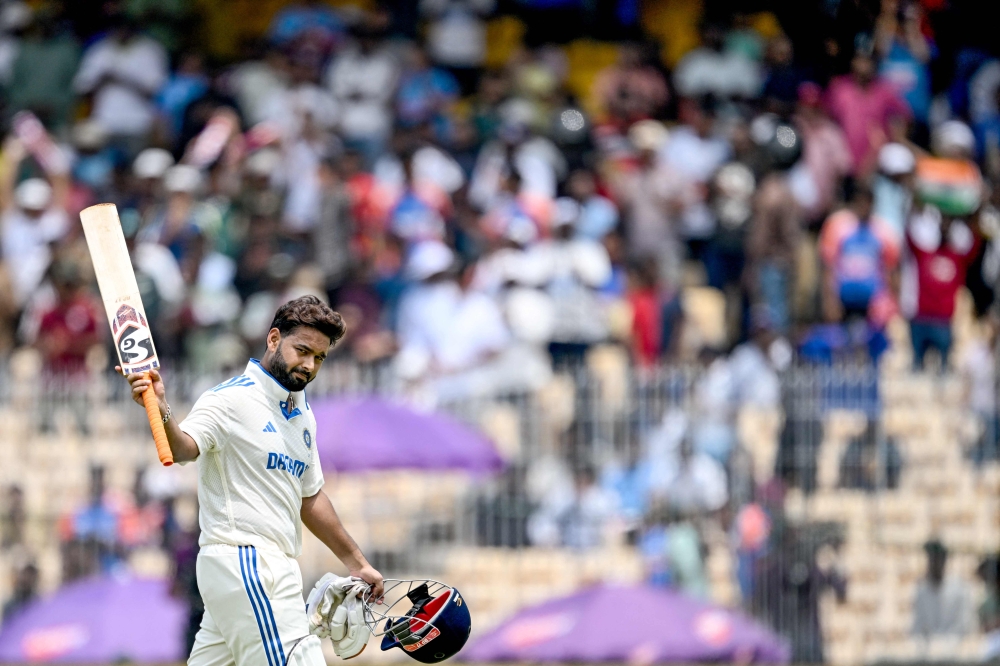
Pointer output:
x,y
259,481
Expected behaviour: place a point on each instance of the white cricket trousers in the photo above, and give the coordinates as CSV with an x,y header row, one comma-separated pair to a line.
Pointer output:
x,y
254,611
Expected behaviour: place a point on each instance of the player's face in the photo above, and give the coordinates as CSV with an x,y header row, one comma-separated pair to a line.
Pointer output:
x,y
297,356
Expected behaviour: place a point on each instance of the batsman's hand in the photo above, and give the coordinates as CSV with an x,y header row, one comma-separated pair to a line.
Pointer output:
x,y
370,575
140,382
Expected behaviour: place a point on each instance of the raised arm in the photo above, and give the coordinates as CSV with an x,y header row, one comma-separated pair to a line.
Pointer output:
x,y
182,445
322,520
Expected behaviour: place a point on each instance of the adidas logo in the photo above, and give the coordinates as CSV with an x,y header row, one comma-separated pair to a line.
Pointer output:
x,y
270,427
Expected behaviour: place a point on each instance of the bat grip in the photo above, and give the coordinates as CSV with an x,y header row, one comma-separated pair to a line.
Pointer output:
x,y
156,425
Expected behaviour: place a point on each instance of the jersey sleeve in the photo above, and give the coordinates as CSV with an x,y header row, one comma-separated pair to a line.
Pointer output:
x,y
312,479
207,422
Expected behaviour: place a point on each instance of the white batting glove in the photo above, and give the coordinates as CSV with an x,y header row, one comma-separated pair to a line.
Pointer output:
x,y
348,630
324,599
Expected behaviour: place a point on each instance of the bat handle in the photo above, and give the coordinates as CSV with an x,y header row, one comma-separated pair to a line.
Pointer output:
x,y
156,425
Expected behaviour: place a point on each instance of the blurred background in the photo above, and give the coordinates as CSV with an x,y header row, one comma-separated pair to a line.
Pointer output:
x,y
680,304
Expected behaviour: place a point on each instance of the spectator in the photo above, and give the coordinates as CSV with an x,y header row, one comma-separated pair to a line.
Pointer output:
x,y
825,154
122,72
942,248
311,21
868,466
33,219
362,79
943,605
865,107
14,519
773,240
784,76
425,93
860,253
73,325
978,372
444,328
650,196
674,553
694,152
24,592
788,587
186,84
90,534
892,189
15,17
630,90
905,56
598,216
586,520
713,70
456,37
42,73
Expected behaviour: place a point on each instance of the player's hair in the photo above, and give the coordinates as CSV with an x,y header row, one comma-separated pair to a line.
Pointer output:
x,y
312,312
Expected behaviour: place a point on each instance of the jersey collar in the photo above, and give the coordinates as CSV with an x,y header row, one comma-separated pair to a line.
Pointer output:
x,y
292,403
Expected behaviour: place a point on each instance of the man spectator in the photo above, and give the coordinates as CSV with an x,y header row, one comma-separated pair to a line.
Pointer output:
x,y
772,244
71,327
310,20
864,106
41,75
943,605
713,69
942,247
892,187
122,72
456,37
825,154
630,90
860,253
25,591
905,56
598,215
425,94
445,328
695,152
649,194
32,219
363,79
90,534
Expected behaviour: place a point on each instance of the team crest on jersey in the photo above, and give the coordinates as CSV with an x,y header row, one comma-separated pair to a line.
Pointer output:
x,y
307,438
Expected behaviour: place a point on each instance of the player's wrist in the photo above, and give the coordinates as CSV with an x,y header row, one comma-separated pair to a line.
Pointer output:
x,y
165,412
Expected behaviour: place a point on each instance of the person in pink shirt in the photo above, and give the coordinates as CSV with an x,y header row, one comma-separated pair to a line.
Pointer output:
x,y
864,106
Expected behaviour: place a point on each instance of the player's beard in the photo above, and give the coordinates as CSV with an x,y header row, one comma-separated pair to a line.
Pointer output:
x,y
279,369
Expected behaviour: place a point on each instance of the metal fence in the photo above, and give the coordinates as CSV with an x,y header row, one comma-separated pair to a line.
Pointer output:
x,y
835,478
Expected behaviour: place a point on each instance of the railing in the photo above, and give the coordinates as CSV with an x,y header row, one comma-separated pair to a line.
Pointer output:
x,y
844,459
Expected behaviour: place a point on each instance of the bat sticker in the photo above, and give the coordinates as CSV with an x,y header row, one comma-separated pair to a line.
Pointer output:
x,y
133,340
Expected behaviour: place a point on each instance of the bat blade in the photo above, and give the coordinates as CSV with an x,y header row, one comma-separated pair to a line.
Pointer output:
x,y
123,305
119,291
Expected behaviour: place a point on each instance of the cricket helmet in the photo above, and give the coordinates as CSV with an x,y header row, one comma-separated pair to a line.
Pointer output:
x,y
434,627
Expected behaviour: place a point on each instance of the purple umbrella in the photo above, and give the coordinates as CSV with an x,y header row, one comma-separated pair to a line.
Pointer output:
x,y
366,433
99,621
637,625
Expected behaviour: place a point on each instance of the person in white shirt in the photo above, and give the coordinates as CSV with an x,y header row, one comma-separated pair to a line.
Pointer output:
x,y
363,81
259,481
123,71
33,218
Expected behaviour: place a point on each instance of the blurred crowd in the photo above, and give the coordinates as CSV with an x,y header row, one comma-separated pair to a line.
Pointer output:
x,y
475,224
802,177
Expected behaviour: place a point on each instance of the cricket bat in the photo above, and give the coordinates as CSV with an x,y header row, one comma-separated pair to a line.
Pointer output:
x,y
120,293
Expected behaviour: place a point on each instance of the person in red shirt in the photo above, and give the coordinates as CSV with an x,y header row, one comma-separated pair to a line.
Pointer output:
x,y
942,254
68,331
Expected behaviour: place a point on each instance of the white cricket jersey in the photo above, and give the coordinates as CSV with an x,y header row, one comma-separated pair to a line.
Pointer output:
x,y
257,461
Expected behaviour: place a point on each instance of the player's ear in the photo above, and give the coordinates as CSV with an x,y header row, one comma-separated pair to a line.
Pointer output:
x,y
273,338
